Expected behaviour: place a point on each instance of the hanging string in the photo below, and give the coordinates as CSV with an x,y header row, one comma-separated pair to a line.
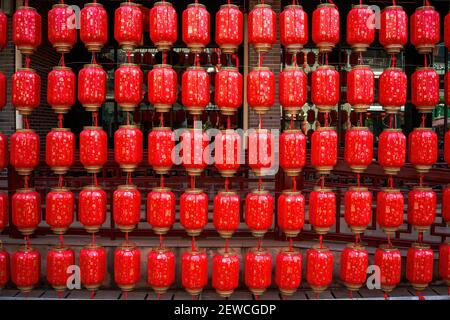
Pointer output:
x,y
60,181
27,122
361,122
290,244
161,241
26,3
356,239
61,240
94,58
228,122
161,119
260,60
227,184
294,184
129,56
162,181
259,243
94,176
60,120
321,241
391,182
317,296
420,237
63,63
92,294
260,122
59,294
291,124
389,240
419,294
197,60
361,60
360,3
125,295
393,61
95,118
192,182
259,183
394,2
27,62
425,58
126,237
193,243
236,59
386,295
27,242
358,180
350,294
421,180
322,182
422,124
93,239
295,60
164,57
326,119
326,58
391,121
158,296
427,2
26,180
226,245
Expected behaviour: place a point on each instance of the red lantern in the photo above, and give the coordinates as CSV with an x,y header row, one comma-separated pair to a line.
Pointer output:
x,y
161,142
444,263
4,267
162,87
62,31
93,148
127,266
425,29
390,204
128,147
163,25
446,88
447,31
421,208
258,270
59,207
319,268
94,26
60,149
27,29
25,268
288,271
291,212
261,89
293,28
160,269
360,27
393,29
128,81
262,27
195,94
423,149
128,26
195,145
292,89
225,272
196,21
229,28
59,259
325,88
4,211
226,212
4,156
92,266
354,263
392,150
3,86
61,84
393,86
260,154
259,205
161,209
446,204
228,90
324,149
92,87
292,151
3,30
26,90
358,151
419,266
322,209
92,208
227,152
126,207
389,260
425,89
26,210
194,271
358,208
447,147
24,151
326,27
360,88
194,211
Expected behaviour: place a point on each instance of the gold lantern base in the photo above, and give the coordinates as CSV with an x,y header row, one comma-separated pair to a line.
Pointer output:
x,y
195,110
390,231
27,231
321,230
421,228
318,289
287,293
194,232
194,292
425,48
260,110
226,234
127,107
425,109
292,111
24,171
360,108
294,48
161,170
126,228
59,231
162,107
325,109
92,229
257,292
352,286
262,47
358,169
358,230
162,231
419,286
227,111
26,50
160,290
422,169
387,289
196,47
128,46
324,169
61,109
94,46
391,109
59,289
227,173
128,167
291,233
163,45
93,169
194,172
92,107
60,170
391,170
225,294
229,48
325,47
393,48
27,289
360,47
24,111
92,287
293,172
62,47
258,233
127,288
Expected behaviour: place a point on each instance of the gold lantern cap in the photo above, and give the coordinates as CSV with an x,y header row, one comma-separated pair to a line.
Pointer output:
x,y
127,187
92,128
320,189
62,68
356,246
161,189
196,4
420,246
257,250
194,191
123,4
259,191
290,251
291,192
92,188
319,248
229,192
390,190
25,190
127,246
92,65
128,126
228,253
388,248
293,6
163,3
224,6
25,130
26,8
60,189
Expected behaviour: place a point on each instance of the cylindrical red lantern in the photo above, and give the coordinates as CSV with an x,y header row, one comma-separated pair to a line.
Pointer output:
x,y
291,212
128,147
421,208
195,94
3,30
261,151
360,27
423,148
24,152
161,142
392,90
195,144
390,204
228,90
26,210
126,207
358,150
324,149
92,208
319,268
258,270
446,204
162,87
292,89
229,28
259,205
444,262
196,27
292,151
293,28
419,266
4,154
326,27
27,29
4,267
163,25
62,30
26,268
194,271
128,81
93,148
161,209
60,149
288,271
127,266
425,29
393,29
261,89
447,31
425,89
389,260
322,209
160,269
262,27
26,90
226,212
194,211
360,88
92,86
128,26
92,266
94,26
354,263
61,84
3,86
392,150
4,211
325,88
225,272
358,208
59,259
227,152
59,208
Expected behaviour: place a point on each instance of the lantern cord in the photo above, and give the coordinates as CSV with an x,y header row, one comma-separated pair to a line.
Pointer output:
x,y
192,182
361,122
386,295
262,2
93,239
94,58
259,183
60,120
60,181
420,237
421,180
322,181
227,184
228,122
59,294
290,244
419,294
26,180
126,237
92,294
27,62
229,2
356,238
129,178
393,61
360,3
294,184
423,121
317,296
350,294
94,176
193,243
161,119
326,58
291,123
295,60
61,240
361,60
389,240
125,295
321,241
391,182
358,180
129,56
425,60
260,122
164,57
26,3
226,245
305,60
197,60
128,118
95,118
260,59
161,241
259,243
427,2
394,2
158,296
27,242
162,181
391,121
236,60
326,119
27,122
